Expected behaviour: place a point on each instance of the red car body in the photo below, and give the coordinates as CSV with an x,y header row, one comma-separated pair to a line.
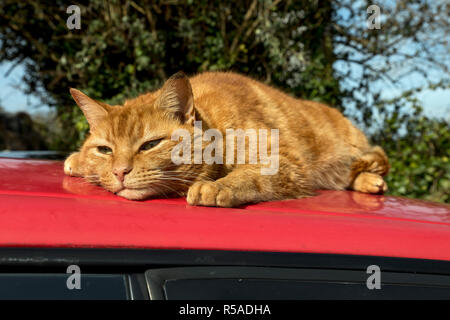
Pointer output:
x,y
41,207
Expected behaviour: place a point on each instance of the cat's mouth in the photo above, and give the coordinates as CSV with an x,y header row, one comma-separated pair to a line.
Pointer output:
x,y
136,194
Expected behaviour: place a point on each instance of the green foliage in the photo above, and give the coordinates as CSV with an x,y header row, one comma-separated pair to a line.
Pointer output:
x,y
418,148
420,161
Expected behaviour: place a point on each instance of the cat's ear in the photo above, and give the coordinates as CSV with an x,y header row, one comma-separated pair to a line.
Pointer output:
x,y
176,97
94,111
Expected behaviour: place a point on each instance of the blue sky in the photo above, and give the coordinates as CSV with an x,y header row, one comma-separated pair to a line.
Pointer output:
x,y
12,98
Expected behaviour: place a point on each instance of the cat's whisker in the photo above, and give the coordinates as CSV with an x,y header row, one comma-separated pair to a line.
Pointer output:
x,y
192,174
168,178
188,182
173,190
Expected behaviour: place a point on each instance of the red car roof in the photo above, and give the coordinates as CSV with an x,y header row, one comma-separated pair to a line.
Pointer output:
x,y
41,207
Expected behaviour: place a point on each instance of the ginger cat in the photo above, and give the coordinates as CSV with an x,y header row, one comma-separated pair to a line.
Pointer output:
x,y
128,151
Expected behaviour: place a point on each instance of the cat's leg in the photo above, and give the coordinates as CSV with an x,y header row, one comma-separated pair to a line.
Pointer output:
x,y
246,184
367,172
72,166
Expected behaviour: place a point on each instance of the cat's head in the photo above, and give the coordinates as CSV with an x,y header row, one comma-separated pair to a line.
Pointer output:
x,y
128,151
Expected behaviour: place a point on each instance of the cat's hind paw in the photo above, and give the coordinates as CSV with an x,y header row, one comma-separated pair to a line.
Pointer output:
x,y
369,183
210,194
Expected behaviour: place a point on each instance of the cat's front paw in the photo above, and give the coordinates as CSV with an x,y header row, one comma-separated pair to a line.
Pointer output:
x,y
211,194
71,164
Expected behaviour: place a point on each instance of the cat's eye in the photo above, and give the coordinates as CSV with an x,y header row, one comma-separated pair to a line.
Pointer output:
x,y
149,144
104,149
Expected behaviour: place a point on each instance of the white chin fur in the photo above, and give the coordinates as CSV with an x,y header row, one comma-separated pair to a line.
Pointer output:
x,y
136,194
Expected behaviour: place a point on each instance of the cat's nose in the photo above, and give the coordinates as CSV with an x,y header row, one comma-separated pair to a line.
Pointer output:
x,y
120,172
